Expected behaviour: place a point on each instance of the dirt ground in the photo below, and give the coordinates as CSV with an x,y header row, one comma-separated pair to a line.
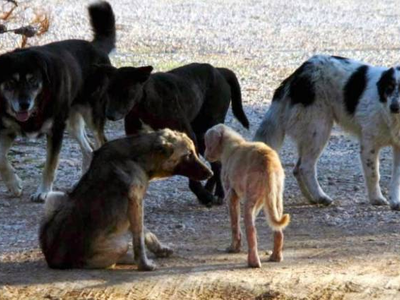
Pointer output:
x,y
350,250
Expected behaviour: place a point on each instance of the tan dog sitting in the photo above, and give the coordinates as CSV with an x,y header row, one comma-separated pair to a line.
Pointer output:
x,y
253,172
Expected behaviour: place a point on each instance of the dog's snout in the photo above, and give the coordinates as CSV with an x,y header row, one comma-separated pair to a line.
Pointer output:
x,y
395,108
113,116
24,105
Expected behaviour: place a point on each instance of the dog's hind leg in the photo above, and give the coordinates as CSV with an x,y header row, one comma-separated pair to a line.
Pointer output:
x,y
250,212
11,180
153,244
311,139
54,143
99,137
76,127
300,181
97,128
276,255
395,183
108,253
370,161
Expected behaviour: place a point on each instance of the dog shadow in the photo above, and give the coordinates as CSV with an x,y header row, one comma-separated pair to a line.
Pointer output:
x,y
37,273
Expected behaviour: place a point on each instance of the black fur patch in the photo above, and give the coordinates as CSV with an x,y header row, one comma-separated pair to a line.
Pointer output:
x,y
344,59
386,84
302,89
354,88
279,92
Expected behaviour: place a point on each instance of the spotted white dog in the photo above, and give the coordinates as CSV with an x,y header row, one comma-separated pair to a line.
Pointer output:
x,y
361,98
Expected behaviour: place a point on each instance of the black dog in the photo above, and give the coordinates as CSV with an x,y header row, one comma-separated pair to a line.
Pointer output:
x,y
40,85
191,99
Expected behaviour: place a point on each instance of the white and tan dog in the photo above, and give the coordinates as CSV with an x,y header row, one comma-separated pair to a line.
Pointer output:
x,y
253,172
363,99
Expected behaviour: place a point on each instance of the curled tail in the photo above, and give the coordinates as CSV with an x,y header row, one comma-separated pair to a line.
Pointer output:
x,y
102,20
272,128
236,94
273,207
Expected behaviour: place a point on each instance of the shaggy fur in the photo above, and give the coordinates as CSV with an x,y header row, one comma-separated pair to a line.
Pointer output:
x,y
253,172
87,227
191,99
361,98
38,87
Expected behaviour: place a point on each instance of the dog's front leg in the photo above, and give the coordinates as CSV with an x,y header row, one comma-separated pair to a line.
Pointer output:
x,y
11,180
135,215
54,142
370,161
155,246
395,183
234,212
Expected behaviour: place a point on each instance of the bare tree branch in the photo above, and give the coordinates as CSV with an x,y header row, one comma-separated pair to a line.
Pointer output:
x,y
12,1
38,26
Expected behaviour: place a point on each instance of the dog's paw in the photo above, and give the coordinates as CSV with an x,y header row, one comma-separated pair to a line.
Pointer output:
x,y
218,201
207,200
324,200
148,265
15,186
164,251
254,262
233,249
379,201
276,257
395,206
38,197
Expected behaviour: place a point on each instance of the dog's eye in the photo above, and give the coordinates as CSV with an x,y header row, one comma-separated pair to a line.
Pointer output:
x,y
10,84
390,88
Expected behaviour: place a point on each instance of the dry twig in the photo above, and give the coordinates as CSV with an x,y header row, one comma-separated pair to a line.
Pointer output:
x,y
39,25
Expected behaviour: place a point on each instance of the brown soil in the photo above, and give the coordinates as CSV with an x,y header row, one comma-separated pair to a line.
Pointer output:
x,y
347,251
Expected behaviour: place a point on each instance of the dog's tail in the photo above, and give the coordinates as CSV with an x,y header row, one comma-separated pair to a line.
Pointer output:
x,y
49,232
102,20
272,128
55,202
273,206
237,107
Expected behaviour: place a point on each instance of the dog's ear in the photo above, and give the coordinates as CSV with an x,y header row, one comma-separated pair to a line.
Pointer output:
x,y
104,69
213,139
386,84
164,148
98,80
43,66
145,128
143,73
140,74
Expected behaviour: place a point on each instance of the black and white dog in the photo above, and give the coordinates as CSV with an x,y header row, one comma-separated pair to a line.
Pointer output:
x,y
41,87
361,98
